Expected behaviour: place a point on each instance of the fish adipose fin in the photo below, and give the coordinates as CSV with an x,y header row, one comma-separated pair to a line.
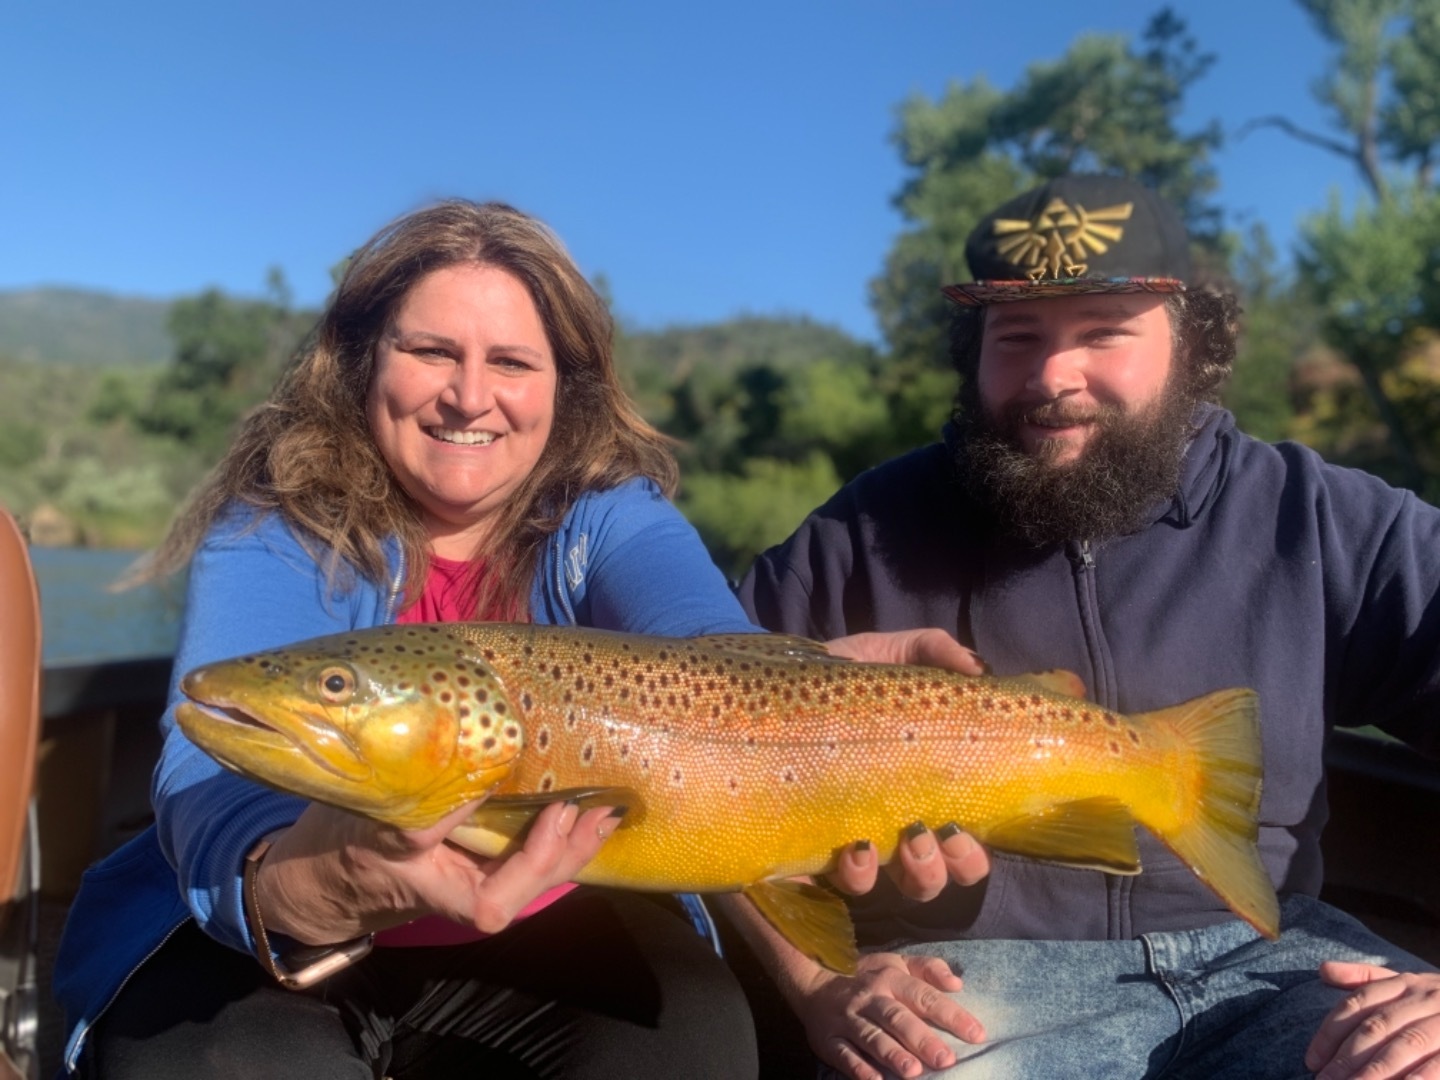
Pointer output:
x,y
1101,828
1216,828
815,921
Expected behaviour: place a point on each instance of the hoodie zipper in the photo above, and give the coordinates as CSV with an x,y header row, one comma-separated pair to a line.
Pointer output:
x,y
1117,888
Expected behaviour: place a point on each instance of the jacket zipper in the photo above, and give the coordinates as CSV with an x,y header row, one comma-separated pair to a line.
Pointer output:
x,y
83,1033
395,586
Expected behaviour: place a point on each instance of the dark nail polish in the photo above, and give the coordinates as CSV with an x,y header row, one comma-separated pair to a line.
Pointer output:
x,y
985,668
862,845
572,801
946,831
619,811
915,831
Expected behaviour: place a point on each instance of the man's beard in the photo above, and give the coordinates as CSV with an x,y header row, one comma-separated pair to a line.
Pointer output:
x,y
1128,465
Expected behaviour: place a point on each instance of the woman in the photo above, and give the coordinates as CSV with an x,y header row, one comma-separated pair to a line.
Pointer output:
x,y
452,444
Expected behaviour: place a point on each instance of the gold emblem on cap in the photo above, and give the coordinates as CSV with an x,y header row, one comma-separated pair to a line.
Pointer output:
x,y
1060,238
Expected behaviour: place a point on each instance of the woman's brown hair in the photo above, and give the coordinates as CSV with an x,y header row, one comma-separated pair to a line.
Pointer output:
x,y
307,453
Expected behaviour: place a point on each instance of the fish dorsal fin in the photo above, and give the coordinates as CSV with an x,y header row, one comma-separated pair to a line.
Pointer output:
x,y
770,646
497,824
1101,827
815,921
1055,681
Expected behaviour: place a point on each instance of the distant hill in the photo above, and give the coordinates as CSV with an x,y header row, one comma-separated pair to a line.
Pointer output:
x,y
77,326
82,327
745,341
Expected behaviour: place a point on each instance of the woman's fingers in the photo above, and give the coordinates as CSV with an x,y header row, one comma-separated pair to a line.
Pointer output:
x,y
559,844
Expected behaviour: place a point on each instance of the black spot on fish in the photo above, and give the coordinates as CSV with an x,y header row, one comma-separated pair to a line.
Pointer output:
x,y
488,742
526,701
1134,736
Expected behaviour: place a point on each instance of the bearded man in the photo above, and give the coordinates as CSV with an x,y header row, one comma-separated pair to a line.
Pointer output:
x,y
1092,508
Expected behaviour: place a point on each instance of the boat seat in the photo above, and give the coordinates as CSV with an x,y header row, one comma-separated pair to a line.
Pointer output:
x,y
19,843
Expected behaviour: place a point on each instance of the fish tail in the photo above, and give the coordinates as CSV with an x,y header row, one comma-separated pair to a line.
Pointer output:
x,y
1213,824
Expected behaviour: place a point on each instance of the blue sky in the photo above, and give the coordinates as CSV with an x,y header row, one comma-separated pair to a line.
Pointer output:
x,y
709,159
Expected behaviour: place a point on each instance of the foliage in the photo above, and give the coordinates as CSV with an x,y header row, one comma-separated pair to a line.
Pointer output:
x,y
741,515
1277,325
227,354
1375,273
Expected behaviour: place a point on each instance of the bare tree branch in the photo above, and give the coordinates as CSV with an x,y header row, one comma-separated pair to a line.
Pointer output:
x,y
1364,154
1325,142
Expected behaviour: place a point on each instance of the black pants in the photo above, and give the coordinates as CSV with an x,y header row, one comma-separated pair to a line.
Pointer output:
x,y
601,984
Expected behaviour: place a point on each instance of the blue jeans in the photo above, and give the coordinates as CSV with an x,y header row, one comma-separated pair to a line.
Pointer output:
x,y
1219,1003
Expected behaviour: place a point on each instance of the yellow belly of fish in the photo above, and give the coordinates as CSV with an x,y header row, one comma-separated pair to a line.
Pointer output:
x,y
717,814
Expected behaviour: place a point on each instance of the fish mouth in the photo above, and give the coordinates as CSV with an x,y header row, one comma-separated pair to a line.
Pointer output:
x,y
285,742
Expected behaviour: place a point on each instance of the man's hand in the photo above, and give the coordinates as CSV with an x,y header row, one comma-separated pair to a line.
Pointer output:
x,y
930,647
1388,1027
924,861
884,1015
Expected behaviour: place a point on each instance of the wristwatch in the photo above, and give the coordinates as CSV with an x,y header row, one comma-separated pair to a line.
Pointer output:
x,y
303,967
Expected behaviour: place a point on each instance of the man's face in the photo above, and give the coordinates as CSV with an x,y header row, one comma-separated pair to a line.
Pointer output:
x,y
1076,422
1054,372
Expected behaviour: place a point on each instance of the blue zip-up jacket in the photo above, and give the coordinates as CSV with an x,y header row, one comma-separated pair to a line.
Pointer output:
x,y
623,559
1316,585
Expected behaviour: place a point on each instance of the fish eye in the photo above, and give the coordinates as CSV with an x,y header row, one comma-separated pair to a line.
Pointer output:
x,y
337,684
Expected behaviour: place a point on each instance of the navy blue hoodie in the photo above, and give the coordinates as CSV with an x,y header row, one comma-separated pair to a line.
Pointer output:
x,y
1318,586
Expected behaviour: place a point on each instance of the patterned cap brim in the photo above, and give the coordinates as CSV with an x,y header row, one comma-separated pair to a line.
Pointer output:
x,y
976,293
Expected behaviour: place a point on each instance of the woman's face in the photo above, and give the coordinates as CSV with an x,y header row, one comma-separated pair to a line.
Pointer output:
x,y
462,398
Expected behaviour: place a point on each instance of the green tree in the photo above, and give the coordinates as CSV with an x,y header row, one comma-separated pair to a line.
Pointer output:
x,y
1278,324
227,354
1375,273
1372,270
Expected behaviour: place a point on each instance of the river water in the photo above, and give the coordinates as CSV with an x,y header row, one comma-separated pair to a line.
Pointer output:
x,y
85,620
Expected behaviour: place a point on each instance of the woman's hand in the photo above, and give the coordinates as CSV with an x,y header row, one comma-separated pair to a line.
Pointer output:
x,y
924,861
1389,1026
334,875
884,1015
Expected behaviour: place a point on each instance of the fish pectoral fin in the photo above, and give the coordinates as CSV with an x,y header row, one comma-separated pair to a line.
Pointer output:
x,y
510,815
1056,681
815,921
1089,834
771,646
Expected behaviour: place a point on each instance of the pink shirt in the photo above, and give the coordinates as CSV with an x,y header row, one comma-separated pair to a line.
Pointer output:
x,y
449,596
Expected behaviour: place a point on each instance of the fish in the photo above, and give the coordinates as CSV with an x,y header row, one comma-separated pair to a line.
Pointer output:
x,y
745,761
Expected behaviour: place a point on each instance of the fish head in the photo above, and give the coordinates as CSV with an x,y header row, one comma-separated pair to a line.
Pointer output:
x,y
397,723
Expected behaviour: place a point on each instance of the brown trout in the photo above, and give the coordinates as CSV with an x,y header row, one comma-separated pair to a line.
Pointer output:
x,y
744,760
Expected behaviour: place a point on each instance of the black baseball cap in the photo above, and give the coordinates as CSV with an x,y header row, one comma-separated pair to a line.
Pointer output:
x,y
1076,234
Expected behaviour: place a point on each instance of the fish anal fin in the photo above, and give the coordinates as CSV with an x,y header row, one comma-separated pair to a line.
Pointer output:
x,y
1056,681
1090,834
815,921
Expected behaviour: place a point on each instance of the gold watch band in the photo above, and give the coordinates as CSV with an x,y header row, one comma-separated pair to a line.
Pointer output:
x,y
318,963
